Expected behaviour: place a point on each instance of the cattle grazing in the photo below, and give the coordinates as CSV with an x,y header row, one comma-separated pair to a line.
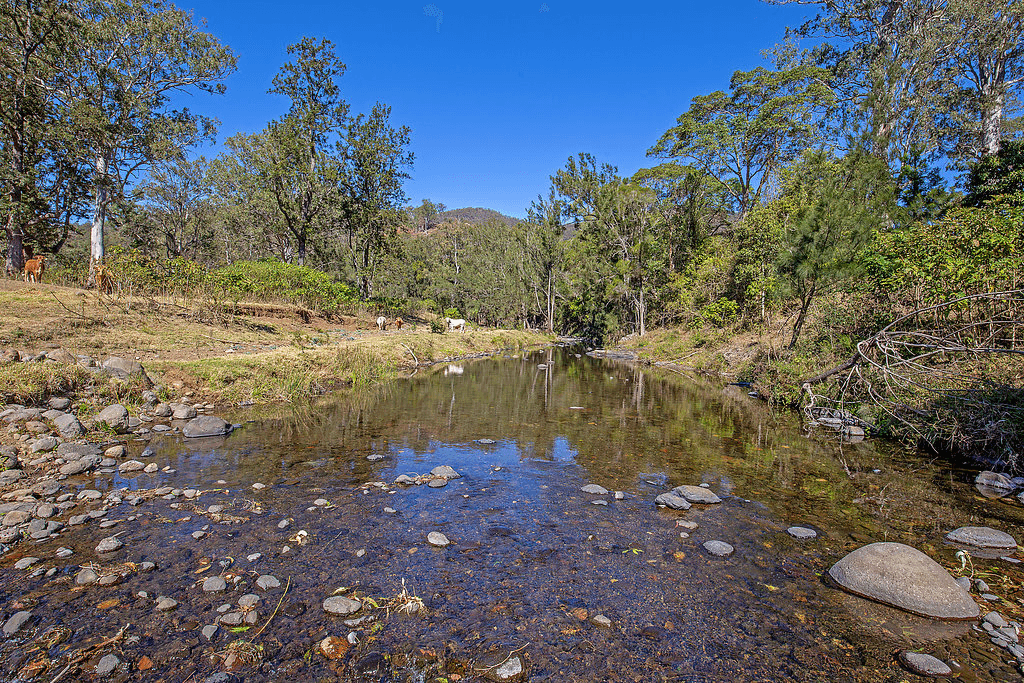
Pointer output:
x,y
34,268
398,323
104,280
456,324
382,323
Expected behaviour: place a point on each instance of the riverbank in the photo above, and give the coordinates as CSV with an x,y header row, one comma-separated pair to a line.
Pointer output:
x,y
225,354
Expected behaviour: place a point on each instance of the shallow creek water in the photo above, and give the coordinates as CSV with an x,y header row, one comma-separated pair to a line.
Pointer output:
x,y
532,557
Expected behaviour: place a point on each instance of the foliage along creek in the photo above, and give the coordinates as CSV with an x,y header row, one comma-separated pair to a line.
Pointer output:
x,y
540,580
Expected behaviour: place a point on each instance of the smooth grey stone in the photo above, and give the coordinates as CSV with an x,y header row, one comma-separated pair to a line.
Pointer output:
x,y
118,451
601,620
341,605
438,539
44,445
25,562
982,537
801,532
151,468
673,501
209,631
166,604
75,467
903,577
446,472
69,426
486,442
130,466
438,483
114,417
206,425
268,581
14,624
963,582
594,489
232,619
214,584
248,600
996,619
107,665
8,477
696,494
86,577
109,545
924,665
182,411
59,403
719,548
995,481
122,368
163,410
599,502
16,517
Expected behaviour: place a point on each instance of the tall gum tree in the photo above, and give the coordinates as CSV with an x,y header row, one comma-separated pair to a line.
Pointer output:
x,y
129,59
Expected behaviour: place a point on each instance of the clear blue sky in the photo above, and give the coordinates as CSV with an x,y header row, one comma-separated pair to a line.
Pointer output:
x,y
498,93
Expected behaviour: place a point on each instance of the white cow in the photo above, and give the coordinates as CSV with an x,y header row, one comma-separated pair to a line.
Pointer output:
x,y
456,324
382,322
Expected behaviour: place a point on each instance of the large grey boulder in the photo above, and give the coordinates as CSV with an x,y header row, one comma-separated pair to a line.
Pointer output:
x,y
123,369
903,577
115,417
69,426
982,537
206,425
696,494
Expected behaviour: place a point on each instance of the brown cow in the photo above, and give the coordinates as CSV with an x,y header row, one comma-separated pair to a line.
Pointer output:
x,y
398,323
34,268
104,280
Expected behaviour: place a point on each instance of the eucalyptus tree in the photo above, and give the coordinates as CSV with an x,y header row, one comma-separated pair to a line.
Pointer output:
x,y
544,241
177,200
743,137
376,160
127,61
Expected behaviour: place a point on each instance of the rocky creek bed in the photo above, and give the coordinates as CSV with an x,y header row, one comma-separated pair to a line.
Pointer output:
x,y
493,520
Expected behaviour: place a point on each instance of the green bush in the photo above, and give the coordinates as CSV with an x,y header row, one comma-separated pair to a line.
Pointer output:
x,y
437,326
284,281
718,313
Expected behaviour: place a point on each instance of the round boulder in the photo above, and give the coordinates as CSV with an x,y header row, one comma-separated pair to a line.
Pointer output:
x,y
206,425
903,577
696,494
115,417
924,665
341,605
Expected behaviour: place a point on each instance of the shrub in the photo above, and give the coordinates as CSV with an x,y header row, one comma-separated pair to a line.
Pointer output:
x,y
284,281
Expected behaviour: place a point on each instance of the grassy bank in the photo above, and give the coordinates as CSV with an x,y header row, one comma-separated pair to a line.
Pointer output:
x,y
259,352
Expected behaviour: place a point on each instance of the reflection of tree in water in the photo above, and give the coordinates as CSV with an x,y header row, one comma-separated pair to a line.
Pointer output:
x,y
432,10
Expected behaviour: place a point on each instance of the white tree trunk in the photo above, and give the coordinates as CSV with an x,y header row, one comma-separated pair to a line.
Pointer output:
x,y
992,127
99,215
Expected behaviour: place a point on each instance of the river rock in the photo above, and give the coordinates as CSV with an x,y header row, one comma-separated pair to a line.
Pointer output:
x,y
594,489
59,403
69,426
446,472
696,494
10,476
165,604
182,411
115,417
994,480
903,577
25,562
86,576
802,532
16,517
268,581
130,466
673,501
109,545
44,445
163,410
124,369
341,606
107,665
437,483
982,537
214,584
499,665
14,624
718,548
206,425
924,665
438,539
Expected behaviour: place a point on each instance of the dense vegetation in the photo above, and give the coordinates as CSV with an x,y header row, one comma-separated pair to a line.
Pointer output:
x,y
874,164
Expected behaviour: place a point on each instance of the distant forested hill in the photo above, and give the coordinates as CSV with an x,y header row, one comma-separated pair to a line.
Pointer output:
x,y
477,216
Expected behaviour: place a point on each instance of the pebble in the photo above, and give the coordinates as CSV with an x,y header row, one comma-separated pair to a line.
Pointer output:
x,y
166,604
258,486
268,581
107,665
320,502
254,557
209,632
719,548
438,539
248,600
151,468
996,619
109,545
924,665
341,605
801,532
198,534
599,502
594,489
25,562
232,619
86,577
687,524
390,511
438,483
14,624
64,552
601,620
214,584
283,524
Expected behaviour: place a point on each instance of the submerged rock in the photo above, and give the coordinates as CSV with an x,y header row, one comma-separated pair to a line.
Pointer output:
x,y
903,577
341,605
982,537
924,665
801,532
696,494
673,501
438,539
994,480
718,548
